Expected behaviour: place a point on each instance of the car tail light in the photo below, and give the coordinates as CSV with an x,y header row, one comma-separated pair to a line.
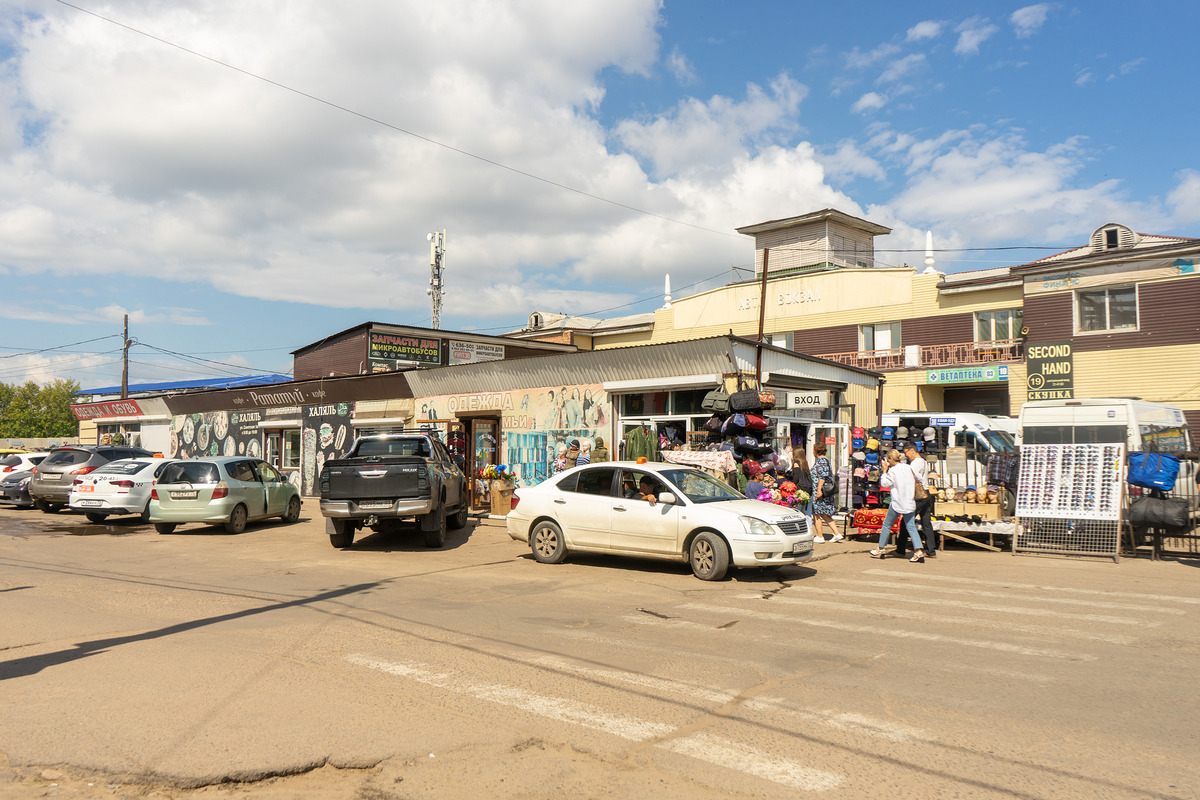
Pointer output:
x,y
34,470
513,505
76,482
221,490
9,469
81,471
154,494
126,485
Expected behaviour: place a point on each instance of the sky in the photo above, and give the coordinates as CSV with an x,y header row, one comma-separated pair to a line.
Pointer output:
x,y
243,179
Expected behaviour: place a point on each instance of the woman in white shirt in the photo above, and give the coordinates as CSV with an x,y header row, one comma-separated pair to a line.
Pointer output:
x,y
899,477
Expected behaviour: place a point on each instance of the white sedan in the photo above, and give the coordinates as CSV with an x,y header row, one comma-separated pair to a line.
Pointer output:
x,y
692,517
118,487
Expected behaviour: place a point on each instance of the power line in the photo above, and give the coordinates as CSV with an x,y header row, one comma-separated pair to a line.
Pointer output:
x,y
396,128
59,347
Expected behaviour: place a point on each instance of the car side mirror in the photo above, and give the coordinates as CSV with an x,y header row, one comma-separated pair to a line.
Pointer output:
x,y
667,498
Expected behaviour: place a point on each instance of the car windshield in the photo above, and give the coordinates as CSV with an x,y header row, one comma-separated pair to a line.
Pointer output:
x,y
67,457
1001,441
122,468
10,461
394,447
190,472
700,487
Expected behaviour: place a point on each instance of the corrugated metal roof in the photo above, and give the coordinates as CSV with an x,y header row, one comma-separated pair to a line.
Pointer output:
x,y
716,355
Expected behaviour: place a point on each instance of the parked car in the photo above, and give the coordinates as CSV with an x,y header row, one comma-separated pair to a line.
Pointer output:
x,y
695,518
229,491
14,489
20,462
118,487
54,477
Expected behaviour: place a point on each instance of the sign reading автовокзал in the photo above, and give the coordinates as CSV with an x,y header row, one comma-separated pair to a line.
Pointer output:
x,y
1050,371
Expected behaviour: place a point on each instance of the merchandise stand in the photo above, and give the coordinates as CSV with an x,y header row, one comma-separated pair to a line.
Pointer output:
x,y
1069,499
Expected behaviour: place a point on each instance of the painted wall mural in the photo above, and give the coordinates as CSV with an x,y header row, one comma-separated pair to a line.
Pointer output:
x,y
534,422
326,434
216,433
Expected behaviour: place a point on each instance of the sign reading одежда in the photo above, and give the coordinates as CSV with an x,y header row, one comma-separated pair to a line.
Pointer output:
x,y
1051,372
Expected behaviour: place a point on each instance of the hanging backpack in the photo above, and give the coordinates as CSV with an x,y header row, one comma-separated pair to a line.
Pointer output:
x,y
1153,470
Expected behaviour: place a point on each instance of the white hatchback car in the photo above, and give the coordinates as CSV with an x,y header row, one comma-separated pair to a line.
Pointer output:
x,y
118,487
694,518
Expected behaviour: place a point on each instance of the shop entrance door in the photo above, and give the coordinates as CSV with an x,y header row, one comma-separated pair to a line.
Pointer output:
x,y
484,452
274,450
836,438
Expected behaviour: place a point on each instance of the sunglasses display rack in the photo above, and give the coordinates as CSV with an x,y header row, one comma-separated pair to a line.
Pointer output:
x,y
1071,481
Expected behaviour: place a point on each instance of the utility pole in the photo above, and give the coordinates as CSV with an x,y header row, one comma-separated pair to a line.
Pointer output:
x,y
437,260
125,360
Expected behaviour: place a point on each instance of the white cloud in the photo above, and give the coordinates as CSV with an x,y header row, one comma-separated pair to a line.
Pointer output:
x,y
1028,20
1128,68
1184,199
848,162
972,33
928,29
856,59
1083,77
871,101
680,67
901,68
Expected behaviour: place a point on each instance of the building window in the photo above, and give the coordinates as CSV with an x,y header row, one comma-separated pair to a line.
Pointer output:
x,y
997,326
881,336
291,449
1112,238
1108,309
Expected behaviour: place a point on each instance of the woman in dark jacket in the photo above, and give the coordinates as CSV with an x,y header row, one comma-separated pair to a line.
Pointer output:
x,y
801,475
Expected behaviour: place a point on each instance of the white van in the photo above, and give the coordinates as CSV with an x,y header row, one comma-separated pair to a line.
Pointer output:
x,y
1142,426
1010,425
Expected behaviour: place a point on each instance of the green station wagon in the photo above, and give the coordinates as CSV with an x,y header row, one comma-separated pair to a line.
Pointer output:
x,y
222,491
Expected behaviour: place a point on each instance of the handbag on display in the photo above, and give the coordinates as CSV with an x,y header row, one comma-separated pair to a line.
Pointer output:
x,y
734,425
714,423
766,399
757,422
745,400
716,401
1159,512
1153,470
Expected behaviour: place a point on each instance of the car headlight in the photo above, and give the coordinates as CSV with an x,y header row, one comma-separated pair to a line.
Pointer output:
x,y
23,483
756,526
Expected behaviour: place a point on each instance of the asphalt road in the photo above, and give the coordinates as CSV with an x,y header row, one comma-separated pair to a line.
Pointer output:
x,y
135,664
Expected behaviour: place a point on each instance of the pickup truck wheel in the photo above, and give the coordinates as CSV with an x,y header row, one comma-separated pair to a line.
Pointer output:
x,y
548,543
437,537
96,519
709,557
237,519
293,510
459,520
164,527
342,534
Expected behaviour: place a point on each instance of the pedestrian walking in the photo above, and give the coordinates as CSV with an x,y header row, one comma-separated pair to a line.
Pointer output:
x,y
924,498
801,475
898,476
824,505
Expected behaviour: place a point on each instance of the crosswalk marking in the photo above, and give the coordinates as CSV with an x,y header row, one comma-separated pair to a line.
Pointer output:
x,y
701,746
900,633
1023,611
910,614
919,587
1038,587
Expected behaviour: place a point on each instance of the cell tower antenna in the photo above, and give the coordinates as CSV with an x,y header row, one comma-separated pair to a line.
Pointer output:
x,y
437,262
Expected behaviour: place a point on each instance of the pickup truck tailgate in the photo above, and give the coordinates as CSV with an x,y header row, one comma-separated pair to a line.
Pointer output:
x,y
395,477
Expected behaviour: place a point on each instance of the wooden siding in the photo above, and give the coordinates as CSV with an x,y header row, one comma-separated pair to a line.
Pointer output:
x,y
345,356
818,341
946,329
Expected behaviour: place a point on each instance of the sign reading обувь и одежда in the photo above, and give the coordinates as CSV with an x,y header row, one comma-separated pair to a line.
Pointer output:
x,y
1050,371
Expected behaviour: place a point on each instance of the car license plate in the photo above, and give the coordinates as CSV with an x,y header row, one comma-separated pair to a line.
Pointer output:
x,y
376,504
799,548
90,503
50,476
185,495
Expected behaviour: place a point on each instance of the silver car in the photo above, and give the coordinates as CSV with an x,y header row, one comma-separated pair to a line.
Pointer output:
x,y
228,491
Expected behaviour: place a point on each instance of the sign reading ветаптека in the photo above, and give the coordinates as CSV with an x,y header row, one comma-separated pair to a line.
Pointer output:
x,y
1050,370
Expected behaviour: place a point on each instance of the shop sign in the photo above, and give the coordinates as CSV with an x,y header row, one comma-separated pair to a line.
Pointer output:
x,y
989,373
108,408
1051,371
385,350
803,399
473,352
831,441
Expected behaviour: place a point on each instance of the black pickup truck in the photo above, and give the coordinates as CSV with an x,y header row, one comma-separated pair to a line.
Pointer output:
x,y
385,479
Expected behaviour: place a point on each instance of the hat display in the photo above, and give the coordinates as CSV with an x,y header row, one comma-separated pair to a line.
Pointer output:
x,y
575,443
859,433
902,432
888,433
873,474
929,434
872,444
859,455
873,431
872,498
751,468
860,472
872,458
857,442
